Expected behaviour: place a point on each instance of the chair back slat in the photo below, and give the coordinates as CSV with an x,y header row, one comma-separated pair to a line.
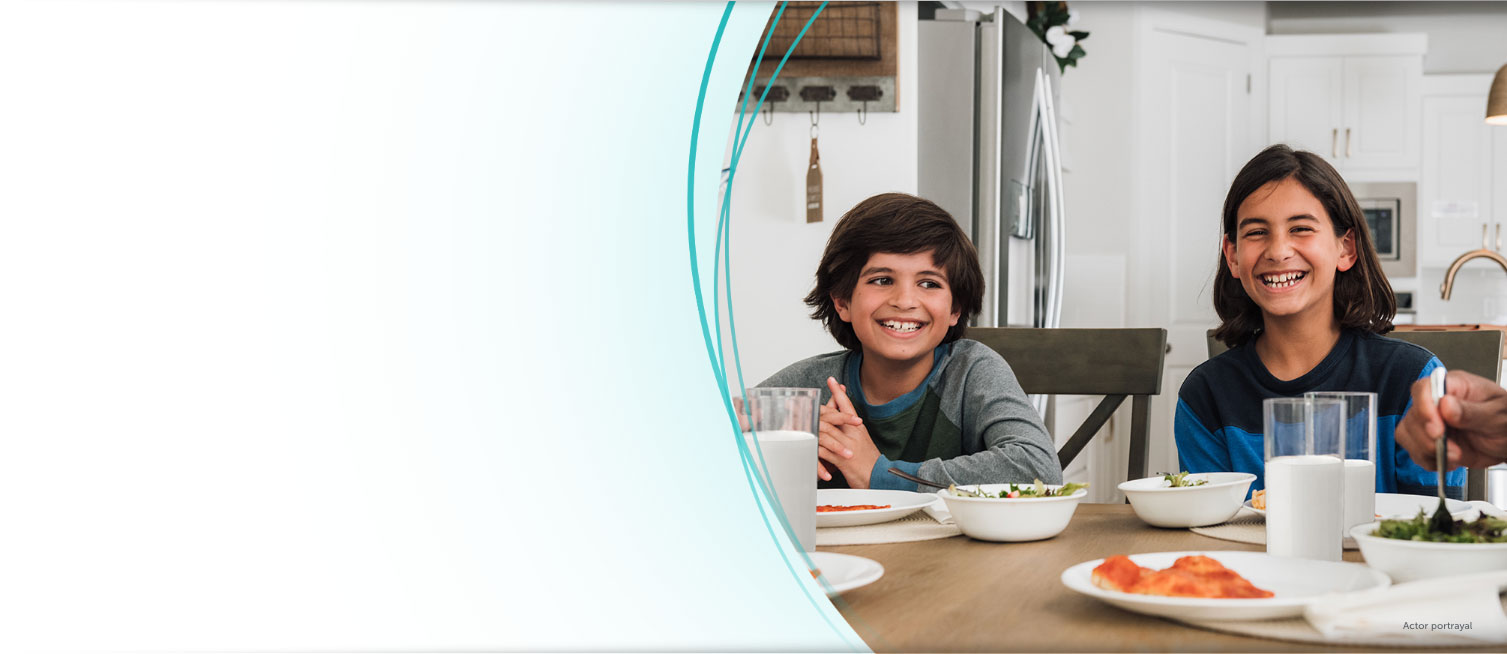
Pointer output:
x,y
1080,361
1110,362
1478,352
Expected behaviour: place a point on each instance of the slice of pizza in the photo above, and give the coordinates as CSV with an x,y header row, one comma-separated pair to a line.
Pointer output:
x,y
1118,573
1189,576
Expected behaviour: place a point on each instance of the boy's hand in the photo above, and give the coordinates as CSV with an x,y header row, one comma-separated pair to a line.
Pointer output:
x,y
844,442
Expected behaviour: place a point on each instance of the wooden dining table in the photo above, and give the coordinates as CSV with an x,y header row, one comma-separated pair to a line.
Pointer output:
x,y
960,594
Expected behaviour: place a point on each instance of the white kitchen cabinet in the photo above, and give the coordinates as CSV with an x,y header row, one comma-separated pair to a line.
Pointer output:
x,y
1306,108
1461,189
1353,99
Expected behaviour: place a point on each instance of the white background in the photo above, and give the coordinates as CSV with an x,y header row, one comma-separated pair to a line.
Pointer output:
x,y
370,325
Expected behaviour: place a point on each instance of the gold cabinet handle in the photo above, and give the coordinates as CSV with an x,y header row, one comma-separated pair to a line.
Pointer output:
x,y
1334,143
1348,152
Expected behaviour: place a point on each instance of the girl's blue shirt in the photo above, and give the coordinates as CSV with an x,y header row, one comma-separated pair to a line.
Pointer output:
x,y
1218,425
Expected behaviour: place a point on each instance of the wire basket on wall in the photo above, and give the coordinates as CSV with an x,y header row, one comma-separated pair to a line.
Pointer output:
x,y
848,30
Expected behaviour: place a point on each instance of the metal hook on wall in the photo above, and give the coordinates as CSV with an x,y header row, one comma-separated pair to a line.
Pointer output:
x,y
769,97
817,95
865,95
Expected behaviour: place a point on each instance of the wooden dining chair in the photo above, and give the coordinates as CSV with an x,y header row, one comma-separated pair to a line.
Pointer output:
x,y
1476,351
1115,363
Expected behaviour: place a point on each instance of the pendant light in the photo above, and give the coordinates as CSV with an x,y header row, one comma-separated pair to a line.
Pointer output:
x,y
1496,101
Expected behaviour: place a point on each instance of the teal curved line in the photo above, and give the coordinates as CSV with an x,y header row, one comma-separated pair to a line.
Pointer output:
x,y
722,214
724,236
724,222
720,365
701,307
724,245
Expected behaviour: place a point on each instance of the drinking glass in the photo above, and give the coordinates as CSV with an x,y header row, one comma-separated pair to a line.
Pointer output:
x,y
1360,454
782,425
1305,448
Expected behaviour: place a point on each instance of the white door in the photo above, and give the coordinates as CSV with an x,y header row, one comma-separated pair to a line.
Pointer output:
x,y
1195,134
1306,105
1380,94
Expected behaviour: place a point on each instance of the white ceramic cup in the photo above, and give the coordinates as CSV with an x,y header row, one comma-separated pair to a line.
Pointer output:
x,y
1305,480
782,442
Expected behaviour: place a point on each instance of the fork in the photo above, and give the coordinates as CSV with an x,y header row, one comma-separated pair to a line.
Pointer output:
x,y
1442,521
910,477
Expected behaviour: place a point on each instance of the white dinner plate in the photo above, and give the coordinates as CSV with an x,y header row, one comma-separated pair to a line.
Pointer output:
x,y
902,503
1397,506
1294,581
844,572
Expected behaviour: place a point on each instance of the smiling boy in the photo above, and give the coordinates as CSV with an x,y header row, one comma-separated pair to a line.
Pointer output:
x,y
897,285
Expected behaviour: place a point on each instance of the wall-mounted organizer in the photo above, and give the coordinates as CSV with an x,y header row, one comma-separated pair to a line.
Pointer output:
x,y
846,62
833,94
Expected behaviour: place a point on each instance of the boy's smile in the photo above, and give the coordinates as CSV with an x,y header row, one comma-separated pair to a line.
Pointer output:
x,y
1286,253
900,309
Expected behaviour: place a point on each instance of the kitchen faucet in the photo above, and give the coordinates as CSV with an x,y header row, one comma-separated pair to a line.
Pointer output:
x,y
1483,253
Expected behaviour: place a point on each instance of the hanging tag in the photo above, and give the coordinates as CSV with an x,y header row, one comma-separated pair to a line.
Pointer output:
x,y
814,186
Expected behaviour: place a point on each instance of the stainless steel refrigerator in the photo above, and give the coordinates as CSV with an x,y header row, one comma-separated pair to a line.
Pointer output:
x,y
989,154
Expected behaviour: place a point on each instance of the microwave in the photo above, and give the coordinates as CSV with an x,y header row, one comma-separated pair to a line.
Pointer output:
x,y
1389,212
1384,219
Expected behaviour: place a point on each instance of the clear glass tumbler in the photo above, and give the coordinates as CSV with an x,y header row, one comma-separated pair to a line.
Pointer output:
x,y
1305,448
782,425
1360,454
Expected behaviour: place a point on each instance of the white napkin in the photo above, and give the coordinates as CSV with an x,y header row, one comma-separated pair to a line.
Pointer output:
x,y
1459,610
938,511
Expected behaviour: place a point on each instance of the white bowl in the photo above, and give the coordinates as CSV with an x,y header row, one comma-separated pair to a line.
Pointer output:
x,y
1011,520
1188,506
1411,560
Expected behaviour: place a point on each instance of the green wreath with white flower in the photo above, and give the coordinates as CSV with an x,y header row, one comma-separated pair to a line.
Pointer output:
x,y
1050,21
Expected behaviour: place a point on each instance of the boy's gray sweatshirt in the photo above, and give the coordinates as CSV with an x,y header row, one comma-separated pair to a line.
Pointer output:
x,y
968,423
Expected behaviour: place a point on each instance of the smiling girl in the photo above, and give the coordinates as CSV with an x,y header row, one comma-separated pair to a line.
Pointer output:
x,y
1303,304
896,286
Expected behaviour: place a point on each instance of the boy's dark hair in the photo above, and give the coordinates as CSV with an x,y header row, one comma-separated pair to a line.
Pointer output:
x,y
1363,298
900,224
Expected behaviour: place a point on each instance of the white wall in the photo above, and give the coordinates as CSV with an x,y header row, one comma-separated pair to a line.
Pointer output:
x,y
1096,154
1464,37
774,250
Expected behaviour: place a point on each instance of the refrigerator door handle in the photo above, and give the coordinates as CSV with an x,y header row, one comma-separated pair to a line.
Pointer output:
x,y
990,213
1055,225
